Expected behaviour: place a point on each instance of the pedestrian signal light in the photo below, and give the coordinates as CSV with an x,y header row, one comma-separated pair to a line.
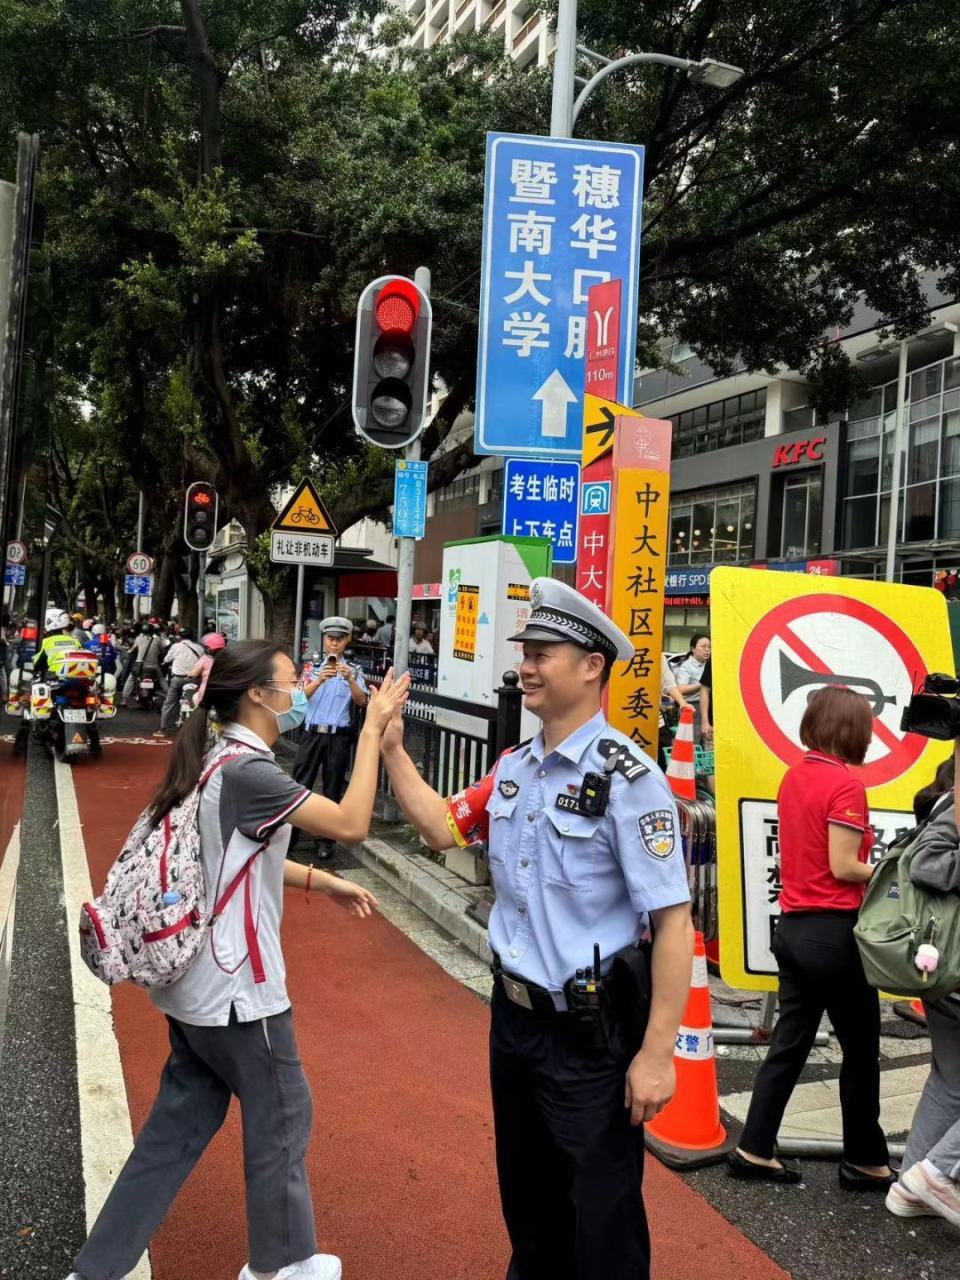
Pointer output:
x,y
200,516
392,361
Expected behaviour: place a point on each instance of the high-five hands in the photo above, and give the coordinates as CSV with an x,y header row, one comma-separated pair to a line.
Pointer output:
x,y
387,701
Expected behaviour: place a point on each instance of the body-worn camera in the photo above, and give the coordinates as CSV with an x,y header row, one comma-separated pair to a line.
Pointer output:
x,y
934,713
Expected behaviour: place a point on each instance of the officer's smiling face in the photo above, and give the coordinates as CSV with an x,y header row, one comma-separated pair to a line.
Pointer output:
x,y
556,677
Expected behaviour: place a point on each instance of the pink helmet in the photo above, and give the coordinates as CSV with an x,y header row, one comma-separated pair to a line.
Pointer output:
x,y
213,641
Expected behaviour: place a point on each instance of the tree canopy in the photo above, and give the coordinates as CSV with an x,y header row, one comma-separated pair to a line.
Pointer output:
x,y
220,180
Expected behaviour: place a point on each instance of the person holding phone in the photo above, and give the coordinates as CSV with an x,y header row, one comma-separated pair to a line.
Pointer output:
x,y
333,690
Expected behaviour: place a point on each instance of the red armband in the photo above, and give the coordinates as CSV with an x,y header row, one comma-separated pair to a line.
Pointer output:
x,y
467,815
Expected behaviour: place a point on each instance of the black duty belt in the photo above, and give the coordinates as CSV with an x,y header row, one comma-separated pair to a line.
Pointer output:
x,y
528,995
331,729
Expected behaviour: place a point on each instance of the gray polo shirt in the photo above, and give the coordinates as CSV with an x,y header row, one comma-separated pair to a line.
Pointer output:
x,y
243,808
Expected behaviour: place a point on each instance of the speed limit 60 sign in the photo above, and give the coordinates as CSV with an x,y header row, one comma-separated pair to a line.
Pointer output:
x,y
16,552
139,564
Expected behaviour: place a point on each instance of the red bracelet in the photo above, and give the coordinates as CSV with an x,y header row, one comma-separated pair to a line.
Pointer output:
x,y
309,878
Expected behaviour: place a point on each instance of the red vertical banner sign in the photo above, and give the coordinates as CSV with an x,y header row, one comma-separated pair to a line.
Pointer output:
x,y
600,380
641,503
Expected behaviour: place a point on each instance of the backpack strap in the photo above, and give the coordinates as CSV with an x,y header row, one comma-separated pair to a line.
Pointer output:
x,y
219,763
249,925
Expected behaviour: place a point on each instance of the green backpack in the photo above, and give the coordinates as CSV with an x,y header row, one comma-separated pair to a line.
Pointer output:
x,y
896,918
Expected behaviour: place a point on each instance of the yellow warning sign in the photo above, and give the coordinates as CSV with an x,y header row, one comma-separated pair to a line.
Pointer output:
x,y
598,425
517,591
781,637
305,513
465,623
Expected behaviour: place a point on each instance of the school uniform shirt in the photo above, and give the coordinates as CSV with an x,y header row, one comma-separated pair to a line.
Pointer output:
x,y
243,807
819,792
565,880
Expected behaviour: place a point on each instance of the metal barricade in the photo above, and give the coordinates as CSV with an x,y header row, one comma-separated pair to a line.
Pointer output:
x,y
698,830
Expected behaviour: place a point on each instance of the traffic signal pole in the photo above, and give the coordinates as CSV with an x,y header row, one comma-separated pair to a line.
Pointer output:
x,y
298,617
407,547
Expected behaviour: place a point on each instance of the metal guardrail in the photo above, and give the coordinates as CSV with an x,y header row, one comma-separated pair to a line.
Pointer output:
x,y
698,830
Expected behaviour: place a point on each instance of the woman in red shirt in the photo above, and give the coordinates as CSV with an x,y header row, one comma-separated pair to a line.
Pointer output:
x,y
825,840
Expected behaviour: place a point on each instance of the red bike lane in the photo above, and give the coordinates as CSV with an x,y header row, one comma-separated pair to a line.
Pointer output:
x,y
401,1160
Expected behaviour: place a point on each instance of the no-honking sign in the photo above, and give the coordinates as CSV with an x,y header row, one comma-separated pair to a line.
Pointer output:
x,y
815,640
778,638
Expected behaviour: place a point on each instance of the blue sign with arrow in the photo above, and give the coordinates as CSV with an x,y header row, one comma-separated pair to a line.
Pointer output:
x,y
14,575
560,215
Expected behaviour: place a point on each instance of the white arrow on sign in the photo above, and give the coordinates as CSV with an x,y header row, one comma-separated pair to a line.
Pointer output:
x,y
555,396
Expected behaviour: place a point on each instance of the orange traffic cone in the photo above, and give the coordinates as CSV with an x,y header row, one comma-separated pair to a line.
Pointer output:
x,y
680,771
687,1133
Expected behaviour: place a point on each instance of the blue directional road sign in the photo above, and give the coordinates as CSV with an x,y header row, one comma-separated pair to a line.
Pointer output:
x,y
410,499
541,500
14,575
559,216
138,584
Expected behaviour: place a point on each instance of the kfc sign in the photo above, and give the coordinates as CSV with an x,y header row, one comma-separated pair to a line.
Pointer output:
x,y
788,455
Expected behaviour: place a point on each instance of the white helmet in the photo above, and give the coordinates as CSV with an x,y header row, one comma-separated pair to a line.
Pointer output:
x,y
56,620
99,629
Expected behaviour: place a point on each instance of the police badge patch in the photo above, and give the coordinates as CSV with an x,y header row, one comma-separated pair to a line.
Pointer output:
x,y
508,788
657,833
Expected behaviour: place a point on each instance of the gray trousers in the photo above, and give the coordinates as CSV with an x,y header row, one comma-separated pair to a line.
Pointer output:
x,y
935,1132
171,704
257,1062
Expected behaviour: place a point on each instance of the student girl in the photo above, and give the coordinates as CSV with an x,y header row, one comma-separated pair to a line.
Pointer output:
x,y
231,1032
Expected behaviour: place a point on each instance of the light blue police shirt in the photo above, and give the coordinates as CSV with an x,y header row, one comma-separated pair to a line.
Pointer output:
x,y
564,880
331,703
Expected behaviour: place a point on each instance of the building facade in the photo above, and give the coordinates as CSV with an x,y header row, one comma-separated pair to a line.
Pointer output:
x,y
527,36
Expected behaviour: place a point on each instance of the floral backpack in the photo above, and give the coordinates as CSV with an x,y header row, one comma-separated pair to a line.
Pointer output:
x,y
151,920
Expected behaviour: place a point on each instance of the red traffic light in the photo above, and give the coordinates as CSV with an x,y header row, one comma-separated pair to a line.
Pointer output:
x,y
397,306
202,498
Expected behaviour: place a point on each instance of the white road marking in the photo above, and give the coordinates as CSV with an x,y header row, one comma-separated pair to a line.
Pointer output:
x,y
106,1135
8,905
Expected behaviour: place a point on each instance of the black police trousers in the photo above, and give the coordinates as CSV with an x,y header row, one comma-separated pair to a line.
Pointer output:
x,y
569,1163
820,970
329,752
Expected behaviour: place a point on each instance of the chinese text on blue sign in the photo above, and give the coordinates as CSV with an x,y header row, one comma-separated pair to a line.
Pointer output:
x,y
137,584
14,575
559,216
541,500
410,499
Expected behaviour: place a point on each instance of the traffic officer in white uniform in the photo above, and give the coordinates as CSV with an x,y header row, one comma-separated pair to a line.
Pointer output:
x,y
593,944
335,687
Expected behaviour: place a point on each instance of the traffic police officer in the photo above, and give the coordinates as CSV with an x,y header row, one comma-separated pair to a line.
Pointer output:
x,y
333,689
586,860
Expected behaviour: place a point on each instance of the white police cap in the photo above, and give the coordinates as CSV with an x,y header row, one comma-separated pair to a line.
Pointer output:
x,y
336,627
558,612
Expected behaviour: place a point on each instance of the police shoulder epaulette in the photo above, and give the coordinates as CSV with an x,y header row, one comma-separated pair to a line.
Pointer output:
x,y
521,750
627,764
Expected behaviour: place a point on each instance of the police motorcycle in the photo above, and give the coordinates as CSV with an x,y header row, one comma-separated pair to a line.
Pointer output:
x,y
66,701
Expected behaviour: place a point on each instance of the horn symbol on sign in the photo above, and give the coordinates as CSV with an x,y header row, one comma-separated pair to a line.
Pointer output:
x,y
793,677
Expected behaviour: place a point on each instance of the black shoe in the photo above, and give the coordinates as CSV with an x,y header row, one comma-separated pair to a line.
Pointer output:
x,y
852,1179
739,1166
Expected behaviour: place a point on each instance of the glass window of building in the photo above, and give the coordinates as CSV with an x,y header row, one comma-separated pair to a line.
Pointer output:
x,y
713,526
802,515
930,470
735,420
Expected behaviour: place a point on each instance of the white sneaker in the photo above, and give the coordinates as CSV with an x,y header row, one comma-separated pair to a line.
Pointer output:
x,y
906,1205
942,1194
322,1266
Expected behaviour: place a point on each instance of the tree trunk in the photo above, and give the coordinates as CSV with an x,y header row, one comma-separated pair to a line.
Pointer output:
x,y
164,584
279,612
207,80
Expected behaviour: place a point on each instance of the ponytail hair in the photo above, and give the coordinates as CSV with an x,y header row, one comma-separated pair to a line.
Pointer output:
x,y
239,667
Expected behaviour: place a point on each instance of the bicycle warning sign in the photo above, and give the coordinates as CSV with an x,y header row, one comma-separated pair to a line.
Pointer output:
x,y
304,513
